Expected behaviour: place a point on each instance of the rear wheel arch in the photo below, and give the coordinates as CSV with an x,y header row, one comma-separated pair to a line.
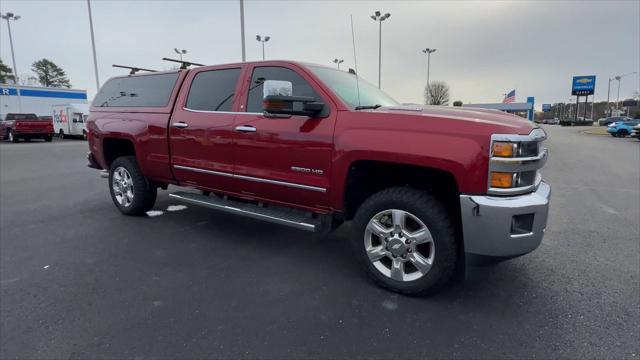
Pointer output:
x,y
114,148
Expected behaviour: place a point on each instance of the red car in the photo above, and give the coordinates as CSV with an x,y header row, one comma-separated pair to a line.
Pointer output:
x,y
25,126
308,146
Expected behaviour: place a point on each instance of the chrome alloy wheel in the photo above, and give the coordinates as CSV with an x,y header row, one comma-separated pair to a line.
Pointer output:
x,y
399,245
122,186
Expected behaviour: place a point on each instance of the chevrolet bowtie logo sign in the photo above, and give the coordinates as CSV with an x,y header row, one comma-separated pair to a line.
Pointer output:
x,y
583,85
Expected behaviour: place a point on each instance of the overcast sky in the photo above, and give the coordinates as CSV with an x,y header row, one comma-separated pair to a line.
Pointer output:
x,y
484,49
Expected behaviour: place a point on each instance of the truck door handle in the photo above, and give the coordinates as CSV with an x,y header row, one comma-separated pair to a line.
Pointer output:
x,y
245,128
180,125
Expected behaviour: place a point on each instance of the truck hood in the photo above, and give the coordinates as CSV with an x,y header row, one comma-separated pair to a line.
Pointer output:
x,y
508,123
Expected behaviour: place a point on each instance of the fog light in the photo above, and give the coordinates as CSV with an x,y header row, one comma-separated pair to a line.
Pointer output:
x,y
522,224
502,179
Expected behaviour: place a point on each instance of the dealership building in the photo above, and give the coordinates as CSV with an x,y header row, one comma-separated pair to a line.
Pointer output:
x,y
37,100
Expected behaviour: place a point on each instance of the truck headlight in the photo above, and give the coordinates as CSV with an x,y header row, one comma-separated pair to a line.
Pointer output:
x,y
504,149
514,162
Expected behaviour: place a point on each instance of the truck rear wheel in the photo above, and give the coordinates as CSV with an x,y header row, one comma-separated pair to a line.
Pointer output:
x,y
406,241
61,134
12,137
131,192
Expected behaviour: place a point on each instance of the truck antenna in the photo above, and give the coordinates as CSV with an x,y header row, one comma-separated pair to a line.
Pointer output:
x,y
355,61
183,64
132,68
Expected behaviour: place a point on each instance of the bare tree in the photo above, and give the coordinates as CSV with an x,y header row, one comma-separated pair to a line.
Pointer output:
x,y
437,94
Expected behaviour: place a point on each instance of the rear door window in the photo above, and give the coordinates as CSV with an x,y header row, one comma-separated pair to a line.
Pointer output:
x,y
137,91
213,90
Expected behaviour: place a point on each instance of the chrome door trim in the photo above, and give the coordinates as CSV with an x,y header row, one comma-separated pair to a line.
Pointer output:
x,y
254,179
282,183
220,112
204,171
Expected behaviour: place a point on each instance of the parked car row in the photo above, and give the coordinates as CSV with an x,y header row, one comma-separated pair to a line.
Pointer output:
x,y
554,121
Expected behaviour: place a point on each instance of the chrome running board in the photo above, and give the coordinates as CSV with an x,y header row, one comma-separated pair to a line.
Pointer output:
x,y
278,215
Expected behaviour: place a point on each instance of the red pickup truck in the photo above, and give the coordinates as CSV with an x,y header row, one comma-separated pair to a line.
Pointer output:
x,y
25,126
428,187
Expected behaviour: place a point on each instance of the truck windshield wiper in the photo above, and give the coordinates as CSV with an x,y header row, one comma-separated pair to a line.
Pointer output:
x,y
365,107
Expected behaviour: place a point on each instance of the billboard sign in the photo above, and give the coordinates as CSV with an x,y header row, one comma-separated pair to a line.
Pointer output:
x,y
583,85
546,107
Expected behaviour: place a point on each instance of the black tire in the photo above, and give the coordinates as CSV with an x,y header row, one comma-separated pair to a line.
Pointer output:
x,y
84,135
12,137
144,192
61,134
439,223
621,133
48,138
614,134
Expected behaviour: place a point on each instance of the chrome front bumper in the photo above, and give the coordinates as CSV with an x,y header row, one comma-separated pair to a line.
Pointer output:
x,y
504,226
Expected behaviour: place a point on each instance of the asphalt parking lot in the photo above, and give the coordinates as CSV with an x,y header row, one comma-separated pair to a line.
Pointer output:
x,y
80,280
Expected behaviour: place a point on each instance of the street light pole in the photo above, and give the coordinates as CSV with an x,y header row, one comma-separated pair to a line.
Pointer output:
x,y
608,113
619,77
242,30
377,16
260,39
338,62
10,16
93,46
180,52
428,52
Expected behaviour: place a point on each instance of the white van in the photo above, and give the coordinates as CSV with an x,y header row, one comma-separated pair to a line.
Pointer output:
x,y
70,120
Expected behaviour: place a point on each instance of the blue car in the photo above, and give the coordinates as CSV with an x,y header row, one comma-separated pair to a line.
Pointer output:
x,y
622,128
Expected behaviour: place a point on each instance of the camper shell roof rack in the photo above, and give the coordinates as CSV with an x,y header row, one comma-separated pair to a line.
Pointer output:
x,y
183,64
133,69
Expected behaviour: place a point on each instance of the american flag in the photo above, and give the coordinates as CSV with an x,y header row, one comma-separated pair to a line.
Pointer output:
x,y
510,97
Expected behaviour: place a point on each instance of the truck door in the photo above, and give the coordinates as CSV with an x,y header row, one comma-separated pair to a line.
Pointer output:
x,y
286,160
200,128
76,124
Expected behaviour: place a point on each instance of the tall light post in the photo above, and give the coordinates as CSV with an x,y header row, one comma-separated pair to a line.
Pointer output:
x,y
377,16
338,62
619,77
428,52
244,58
608,112
93,46
11,16
180,52
260,39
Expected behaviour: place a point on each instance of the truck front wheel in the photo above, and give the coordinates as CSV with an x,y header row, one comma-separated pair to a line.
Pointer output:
x,y
131,192
406,241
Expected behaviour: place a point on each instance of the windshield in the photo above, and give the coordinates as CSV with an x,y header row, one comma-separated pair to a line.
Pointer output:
x,y
344,85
